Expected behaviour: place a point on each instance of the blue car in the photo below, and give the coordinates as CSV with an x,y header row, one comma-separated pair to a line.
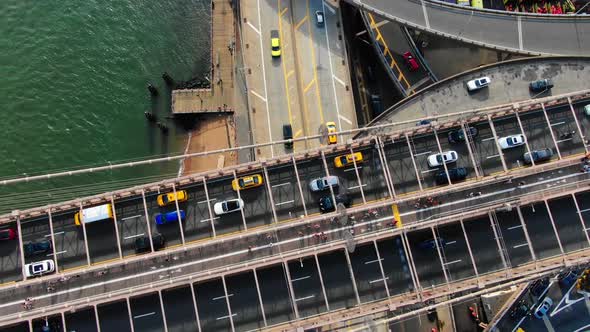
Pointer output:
x,y
168,217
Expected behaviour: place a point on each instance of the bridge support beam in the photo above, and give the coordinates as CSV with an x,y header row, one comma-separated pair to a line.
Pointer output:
x,y
526,139
358,178
554,227
526,234
116,224
471,257
211,215
317,264
470,149
291,291
584,228
163,311
299,184
381,268
443,263
240,197
180,223
97,319
147,220
229,312
414,161
259,293
21,250
569,101
441,151
196,307
85,236
389,180
412,266
53,244
493,128
551,130
270,196
128,311
497,236
352,278
328,174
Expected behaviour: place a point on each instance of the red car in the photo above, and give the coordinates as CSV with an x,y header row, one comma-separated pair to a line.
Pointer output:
x,y
411,62
7,234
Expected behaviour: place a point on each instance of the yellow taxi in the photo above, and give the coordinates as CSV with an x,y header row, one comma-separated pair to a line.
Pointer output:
x,y
275,44
347,159
246,182
169,198
332,139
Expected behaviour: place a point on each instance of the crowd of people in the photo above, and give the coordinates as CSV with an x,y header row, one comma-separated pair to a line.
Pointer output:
x,y
545,6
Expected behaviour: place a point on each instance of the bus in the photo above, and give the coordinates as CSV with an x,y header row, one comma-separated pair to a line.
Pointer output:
x,y
477,4
96,213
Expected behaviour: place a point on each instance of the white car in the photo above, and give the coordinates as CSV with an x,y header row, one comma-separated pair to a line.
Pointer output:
x,y
39,268
587,109
319,18
435,160
228,206
324,183
511,141
543,308
478,83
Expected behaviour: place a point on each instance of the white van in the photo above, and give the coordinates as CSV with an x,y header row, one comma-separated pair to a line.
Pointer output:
x,y
93,214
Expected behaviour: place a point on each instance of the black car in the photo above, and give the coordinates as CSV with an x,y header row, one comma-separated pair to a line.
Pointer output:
x,y
519,310
539,286
538,156
142,244
541,85
327,205
288,134
36,248
456,136
456,174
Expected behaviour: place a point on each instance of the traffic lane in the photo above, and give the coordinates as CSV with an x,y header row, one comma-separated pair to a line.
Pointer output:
x,y
286,196
541,233
54,322
395,266
114,317
244,301
348,175
337,280
400,166
197,224
424,146
509,126
212,306
275,294
83,320
257,207
24,326
512,236
219,191
367,273
311,170
102,241
583,200
487,150
146,313
562,121
455,252
307,288
132,223
35,230
461,149
483,245
69,241
373,177
170,231
10,261
569,226
537,132
426,258
179,309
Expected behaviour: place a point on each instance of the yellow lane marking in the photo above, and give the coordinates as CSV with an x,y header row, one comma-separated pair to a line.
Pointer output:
x,y
7,283
298,133
301,22
396,215
283,11
290,73
285,76
315,73
73,268
104,262
309,86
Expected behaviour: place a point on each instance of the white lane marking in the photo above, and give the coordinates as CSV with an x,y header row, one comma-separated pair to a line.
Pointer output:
x,y
145,315
205,201
206,220
421,153
493,156
454,262
567,300
373,261
325,5
520,245
221,297
430,170
585,210
550,180
61,252
514,227
132,217
280,185
425,15
224,317
257,95
332,69
520,41
283,203
557,123
356,187
302,278
253,28
339,80
352,169
487,139
564,140
340,116
583,328
305,298
450,242
48,235
378,280
132,236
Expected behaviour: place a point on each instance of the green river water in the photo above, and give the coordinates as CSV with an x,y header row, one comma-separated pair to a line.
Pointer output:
x,y
73,89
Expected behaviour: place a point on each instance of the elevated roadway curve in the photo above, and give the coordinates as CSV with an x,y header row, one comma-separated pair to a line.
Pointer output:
x,y
514,32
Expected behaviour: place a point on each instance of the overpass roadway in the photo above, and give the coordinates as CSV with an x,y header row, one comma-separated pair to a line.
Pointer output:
x,y
507,31
394,167
548,219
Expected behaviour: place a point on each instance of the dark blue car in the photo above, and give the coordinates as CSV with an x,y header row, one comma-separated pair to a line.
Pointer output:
x,y
168,217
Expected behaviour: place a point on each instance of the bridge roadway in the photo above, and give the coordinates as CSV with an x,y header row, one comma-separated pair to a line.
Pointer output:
x,y
393,167
507,31
293,280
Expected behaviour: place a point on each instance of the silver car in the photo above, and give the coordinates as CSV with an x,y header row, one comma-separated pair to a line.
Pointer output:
x,y
324,183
